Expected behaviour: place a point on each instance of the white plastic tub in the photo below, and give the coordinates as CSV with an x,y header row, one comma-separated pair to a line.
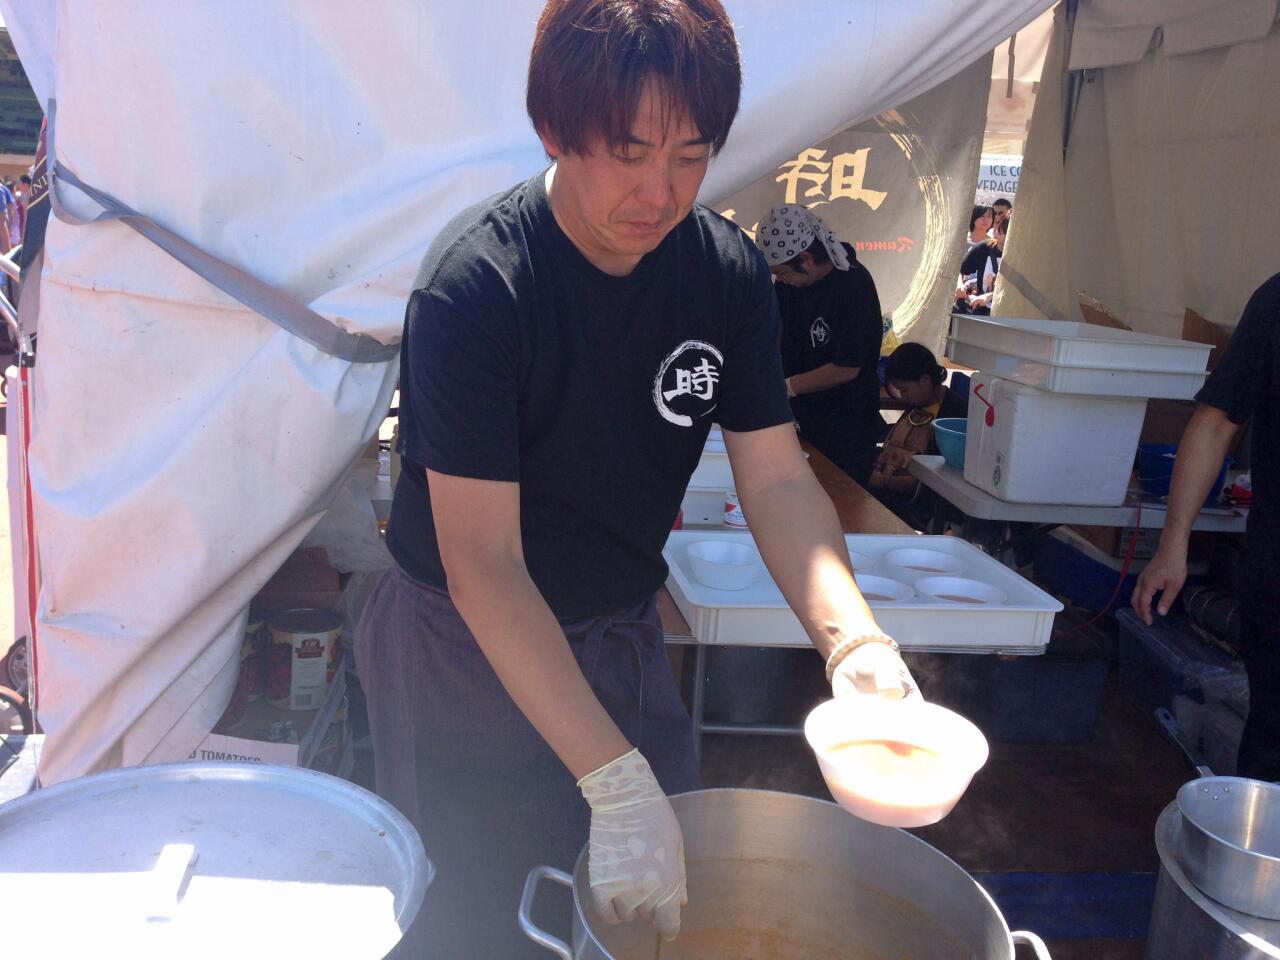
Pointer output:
x,y
759,616
1079,358
1043,447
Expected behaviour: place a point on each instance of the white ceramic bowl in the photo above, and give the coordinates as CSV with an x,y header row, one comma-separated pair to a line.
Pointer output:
x,y
724,564
883,590
960,591
899,763
913,563
861,562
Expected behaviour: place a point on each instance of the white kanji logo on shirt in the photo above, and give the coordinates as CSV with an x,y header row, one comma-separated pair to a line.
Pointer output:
x,y
687,381
699,382
819,333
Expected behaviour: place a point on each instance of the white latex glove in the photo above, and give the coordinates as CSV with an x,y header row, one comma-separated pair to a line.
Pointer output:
x,y
874,668
635,859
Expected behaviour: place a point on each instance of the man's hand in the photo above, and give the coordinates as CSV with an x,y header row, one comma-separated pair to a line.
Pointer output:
x,y
1165,574
635,858
874,668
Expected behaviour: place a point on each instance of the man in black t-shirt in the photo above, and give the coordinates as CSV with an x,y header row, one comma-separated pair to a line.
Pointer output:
x,y
567,346
831,335
1244,386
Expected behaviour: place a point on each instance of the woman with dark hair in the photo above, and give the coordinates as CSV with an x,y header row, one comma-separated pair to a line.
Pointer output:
x,y
980,221
913,374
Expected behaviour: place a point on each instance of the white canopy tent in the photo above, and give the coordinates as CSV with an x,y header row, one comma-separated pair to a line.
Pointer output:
x,y
1165,196
182,443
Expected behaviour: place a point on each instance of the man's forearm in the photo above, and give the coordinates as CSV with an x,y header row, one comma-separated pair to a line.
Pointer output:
x,y
798,532
527,649
1196,467
821,378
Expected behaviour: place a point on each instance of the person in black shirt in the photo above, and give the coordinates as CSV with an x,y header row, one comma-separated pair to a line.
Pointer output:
x,y
567,346
913,374
1245,385
831,335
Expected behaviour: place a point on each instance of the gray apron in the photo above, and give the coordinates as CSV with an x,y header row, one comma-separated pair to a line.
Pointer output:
x,y
458,758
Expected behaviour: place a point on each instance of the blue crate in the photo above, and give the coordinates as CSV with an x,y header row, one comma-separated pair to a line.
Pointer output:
x,y
1166,660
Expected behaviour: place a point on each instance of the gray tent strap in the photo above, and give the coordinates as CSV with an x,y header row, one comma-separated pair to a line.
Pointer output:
x,y
285,312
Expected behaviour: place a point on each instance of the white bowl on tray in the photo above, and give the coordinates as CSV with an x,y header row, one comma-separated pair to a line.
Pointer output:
x,y
898,763
861,562
960,590
724,564
882,589
915,562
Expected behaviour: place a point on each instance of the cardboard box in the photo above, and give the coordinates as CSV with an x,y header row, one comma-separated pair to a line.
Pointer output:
x,y
247,741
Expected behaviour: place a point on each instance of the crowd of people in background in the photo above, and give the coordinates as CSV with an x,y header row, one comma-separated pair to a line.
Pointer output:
x,y
988,227
13,199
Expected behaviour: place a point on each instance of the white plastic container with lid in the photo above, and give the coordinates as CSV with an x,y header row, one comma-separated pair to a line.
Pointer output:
x,y
1027,445
1079,358
198,861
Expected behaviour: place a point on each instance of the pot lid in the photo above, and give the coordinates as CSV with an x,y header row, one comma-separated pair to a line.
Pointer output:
x,y
217,859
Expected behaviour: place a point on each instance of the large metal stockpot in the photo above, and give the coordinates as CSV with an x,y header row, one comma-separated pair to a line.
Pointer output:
x,y
774,876
1188,925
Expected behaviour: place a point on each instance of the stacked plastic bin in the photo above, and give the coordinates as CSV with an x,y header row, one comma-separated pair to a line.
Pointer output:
x,y
1056,408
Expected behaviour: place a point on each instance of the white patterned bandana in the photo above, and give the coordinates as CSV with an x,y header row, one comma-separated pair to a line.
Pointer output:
x,y
788,231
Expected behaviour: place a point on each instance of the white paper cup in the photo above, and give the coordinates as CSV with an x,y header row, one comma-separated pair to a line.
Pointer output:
x,y
870,780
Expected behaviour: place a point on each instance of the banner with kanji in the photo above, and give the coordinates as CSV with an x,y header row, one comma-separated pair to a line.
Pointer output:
x,y
899,188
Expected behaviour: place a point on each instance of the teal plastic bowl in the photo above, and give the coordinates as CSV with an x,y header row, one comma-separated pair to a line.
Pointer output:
x,y
949,432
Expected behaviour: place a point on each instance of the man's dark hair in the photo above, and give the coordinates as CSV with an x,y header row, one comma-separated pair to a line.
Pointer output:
x,y
911,361
1001,202
978,211
818,249
591,60
25,179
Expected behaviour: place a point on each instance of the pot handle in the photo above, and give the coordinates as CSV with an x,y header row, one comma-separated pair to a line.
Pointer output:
x,y
1036,944
532,930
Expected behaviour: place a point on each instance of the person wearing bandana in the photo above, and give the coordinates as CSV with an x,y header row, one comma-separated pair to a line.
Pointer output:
x,y
831,334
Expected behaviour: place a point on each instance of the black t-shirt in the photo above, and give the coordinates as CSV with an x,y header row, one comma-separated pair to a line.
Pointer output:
x,y
975,262
836,320
522,362
1246,384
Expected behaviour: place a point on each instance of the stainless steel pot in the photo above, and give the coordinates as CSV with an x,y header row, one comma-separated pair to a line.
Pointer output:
x,y
774,876
1187,925
1229,845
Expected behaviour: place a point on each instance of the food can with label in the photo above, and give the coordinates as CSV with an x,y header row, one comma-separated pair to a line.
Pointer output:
x,y
301,656
733,515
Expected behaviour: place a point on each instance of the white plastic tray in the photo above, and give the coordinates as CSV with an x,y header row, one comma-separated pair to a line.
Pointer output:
x,y
759,616
1079,357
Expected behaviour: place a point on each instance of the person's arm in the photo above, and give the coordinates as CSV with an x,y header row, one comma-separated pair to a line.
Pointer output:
x,y
636,861
820,378
478,528
1195,468
796,528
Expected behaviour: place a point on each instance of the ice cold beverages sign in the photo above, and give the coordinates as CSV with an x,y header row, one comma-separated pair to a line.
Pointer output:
x,y
997,177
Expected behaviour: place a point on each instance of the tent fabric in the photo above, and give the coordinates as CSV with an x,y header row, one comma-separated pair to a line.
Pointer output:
x,y
1111,33
183,445
1167,197
1033,277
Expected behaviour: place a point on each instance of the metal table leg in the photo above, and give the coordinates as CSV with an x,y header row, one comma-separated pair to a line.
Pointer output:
x,y
699,696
